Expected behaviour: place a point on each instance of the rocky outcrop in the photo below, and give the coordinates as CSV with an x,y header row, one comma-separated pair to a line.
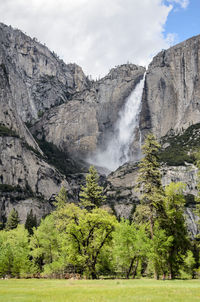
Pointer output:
x,y
23,204
25,172
61,105
123,198
25,177
85,122
74,114
171,98
186,174
38,79
20,166
121,183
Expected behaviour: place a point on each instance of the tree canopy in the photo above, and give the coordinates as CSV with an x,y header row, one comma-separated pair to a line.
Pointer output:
x,y
13,220
91,194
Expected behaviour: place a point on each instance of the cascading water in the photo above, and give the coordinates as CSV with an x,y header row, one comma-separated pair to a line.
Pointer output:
x,y
117,151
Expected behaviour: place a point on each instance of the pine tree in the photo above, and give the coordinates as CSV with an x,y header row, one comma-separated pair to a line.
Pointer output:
x,y
31,221
13,220
149,181
92,194
61,198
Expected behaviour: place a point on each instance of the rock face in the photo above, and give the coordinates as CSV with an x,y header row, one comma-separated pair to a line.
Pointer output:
x,y
25,177
123,198
42,96
38,79
121,183
82,124
76,112
171,98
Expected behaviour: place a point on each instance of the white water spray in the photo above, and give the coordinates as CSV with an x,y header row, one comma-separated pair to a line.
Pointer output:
x,y
117,151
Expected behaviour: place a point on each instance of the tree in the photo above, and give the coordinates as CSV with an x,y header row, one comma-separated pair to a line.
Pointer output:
x,y
197,198
175,226
149,181
131,244
187,269
92,194
196,243
13,220
87,234
15,253
31,222
61,198
46,245
158,251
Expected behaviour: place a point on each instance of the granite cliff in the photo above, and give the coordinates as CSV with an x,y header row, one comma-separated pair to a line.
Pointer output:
x,y
53,117
171,98
83,123
123,198
61,105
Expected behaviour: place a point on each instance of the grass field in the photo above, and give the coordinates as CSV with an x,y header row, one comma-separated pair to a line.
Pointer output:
x,y
99,291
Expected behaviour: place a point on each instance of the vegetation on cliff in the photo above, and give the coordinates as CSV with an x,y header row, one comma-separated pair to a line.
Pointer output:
x,y
180,148
5,131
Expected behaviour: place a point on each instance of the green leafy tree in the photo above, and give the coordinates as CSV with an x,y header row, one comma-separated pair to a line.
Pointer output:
x,y
6,255
197,211
47,248
13,220
131,244
87,235
197,198
149,181
175,226
15,253
158,252
91,194
31,222
187,270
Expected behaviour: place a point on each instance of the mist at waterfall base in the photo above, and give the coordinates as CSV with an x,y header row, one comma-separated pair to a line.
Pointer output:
x,y
117,150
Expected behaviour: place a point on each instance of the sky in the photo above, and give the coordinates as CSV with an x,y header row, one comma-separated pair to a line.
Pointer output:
x,y
101,34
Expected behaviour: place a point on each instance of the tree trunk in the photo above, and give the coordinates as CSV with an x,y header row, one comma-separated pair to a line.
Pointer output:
x,y
171,272
135,268
151,221
94,275
164,276
156,271
130,268
156,275
92,269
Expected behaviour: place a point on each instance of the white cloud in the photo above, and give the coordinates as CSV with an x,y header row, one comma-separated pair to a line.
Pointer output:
x,y
96,34
182,3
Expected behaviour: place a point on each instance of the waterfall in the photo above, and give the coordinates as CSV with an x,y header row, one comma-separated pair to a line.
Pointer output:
x,y
117,151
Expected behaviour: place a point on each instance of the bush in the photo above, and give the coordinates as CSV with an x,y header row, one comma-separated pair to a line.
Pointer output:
x,y
5,131
9,188
40,113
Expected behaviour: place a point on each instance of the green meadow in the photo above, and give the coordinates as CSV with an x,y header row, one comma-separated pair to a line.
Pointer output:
x,y
42,290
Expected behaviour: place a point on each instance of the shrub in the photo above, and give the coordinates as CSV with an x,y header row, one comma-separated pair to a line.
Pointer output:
x,y
5,131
